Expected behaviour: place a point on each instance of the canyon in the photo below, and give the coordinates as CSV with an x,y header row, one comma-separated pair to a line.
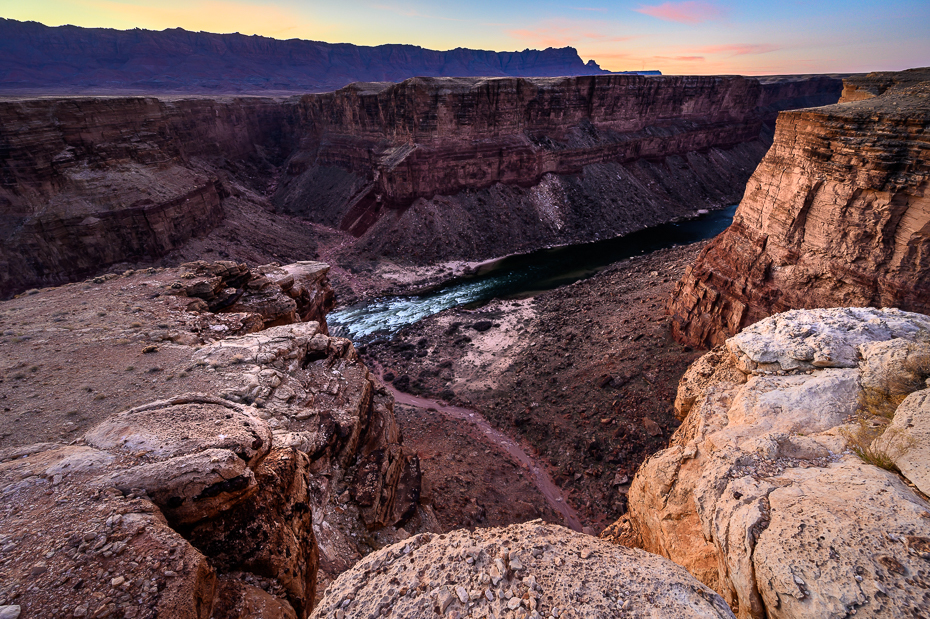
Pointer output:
x,y
836,214
424,171
184,436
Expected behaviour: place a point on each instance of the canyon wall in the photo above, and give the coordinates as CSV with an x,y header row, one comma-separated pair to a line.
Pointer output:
x,y
68,59
837,214
88,182
470,168
425,170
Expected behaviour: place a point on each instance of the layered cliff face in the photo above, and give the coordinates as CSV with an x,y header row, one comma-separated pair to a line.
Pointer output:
x,y
425,170
836,214
434,169
781,490
85,183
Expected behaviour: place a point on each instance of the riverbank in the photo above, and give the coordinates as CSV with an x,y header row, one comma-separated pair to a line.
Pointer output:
x,y
585,375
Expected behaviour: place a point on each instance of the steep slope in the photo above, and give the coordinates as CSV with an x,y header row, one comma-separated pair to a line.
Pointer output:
x,y
85,183
68,59
836,214
434,169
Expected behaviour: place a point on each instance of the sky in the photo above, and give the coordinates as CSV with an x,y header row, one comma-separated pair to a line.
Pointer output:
x,y
755,37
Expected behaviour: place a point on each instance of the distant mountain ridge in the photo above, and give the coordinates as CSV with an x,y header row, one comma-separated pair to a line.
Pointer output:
x,y
70,59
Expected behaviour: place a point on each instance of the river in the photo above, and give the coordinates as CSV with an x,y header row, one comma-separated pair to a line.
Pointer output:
x,y
520,276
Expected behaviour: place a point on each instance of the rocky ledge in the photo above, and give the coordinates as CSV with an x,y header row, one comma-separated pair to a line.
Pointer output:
x,y
248,463
797,484
523,571
837,214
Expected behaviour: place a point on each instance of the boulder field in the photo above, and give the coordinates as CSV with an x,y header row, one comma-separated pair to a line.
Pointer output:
x,y
797,484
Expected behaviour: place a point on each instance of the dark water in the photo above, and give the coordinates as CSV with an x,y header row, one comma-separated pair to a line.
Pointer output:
x,y
520,276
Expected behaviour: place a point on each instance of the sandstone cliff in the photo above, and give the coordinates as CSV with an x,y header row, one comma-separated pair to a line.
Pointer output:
x,y
761,494
427,169
836,214
85,183
236,473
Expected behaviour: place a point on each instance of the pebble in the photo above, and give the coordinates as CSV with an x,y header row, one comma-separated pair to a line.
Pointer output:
x,y
10,612
117,581
489,595
513,603
462,593
585,553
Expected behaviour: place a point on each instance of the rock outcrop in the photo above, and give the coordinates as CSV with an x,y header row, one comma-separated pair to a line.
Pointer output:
x,y
527,570
428,169
837,214
770,491
236,497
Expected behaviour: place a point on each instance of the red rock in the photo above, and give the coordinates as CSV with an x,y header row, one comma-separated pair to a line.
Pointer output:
x,y
837,214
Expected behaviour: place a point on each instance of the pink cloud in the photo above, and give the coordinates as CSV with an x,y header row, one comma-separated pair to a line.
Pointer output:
x,y
689,12
738,49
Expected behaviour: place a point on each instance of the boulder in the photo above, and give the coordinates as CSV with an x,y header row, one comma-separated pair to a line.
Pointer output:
x,y
513,572
760,493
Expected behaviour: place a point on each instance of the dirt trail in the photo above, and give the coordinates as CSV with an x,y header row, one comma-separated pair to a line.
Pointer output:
x,y
543,482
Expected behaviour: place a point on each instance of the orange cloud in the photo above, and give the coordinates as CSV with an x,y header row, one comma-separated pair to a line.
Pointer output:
x,y
738,49
689,12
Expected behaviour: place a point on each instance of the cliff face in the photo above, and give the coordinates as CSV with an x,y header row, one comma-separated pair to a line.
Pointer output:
x,y
68,59
85,183
419,169
836,214
428,169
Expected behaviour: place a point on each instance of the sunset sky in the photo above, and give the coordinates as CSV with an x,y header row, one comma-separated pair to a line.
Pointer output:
x,y
693,37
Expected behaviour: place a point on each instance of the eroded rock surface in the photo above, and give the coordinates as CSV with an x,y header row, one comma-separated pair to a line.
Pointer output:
x,y
760,495
527,570
230,497
837,214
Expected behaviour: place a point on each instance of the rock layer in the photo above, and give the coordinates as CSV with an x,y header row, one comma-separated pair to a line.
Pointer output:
x,y
524,570
543,161
837,214
428,169
760,495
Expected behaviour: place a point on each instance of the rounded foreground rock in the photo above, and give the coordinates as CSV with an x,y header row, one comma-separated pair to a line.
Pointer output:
x,y
521,571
